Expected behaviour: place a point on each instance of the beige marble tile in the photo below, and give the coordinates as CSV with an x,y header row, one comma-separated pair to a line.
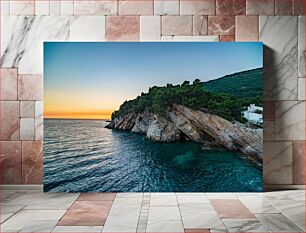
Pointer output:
x,y
122,219
279,35
168,38
15,194
124,214
23,217
269,130
163,199
278,165
290,120
5,194
200,25
294,195
32,162
67,7
243,194
176,25
8,87
55,8
301,47
166,7
27,129
189,208
27,109
42,7
283,7
9,120
137,196
74,229
241,225
277,223
191,7
5,7
246,28
35,200
299,162
206,217
150,28
191,198
8,210
301,89
39,226
39,118
165,226
164,213
87,28
258,205
260,7
135,7
10,158
122,28
22,7
30,87
294,210
107,7
191,38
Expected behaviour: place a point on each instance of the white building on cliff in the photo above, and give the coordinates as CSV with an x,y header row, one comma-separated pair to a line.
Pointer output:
x,y
253,114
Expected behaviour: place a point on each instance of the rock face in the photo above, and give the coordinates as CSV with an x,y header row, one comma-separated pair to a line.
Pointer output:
x,y
161,129
124,123
211,131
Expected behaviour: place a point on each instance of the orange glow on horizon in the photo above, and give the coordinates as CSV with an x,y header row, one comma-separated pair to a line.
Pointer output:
x,y
80,104
103,115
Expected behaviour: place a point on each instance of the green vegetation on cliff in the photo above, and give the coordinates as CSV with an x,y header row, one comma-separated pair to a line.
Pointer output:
x,y
245,85
220,96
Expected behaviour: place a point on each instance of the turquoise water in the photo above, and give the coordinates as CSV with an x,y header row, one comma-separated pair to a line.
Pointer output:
x,y
83,156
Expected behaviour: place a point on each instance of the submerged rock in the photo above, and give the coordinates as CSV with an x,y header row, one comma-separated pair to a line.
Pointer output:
x,y
185,160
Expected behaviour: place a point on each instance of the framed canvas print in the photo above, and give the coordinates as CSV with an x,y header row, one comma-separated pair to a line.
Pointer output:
x,y
153,117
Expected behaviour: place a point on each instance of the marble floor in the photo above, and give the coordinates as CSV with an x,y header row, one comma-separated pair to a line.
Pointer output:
x,y
34,211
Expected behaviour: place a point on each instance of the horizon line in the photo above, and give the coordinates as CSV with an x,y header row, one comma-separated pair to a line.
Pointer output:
x,y
61,118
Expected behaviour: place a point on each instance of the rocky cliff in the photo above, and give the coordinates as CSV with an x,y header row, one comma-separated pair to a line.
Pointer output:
x,y
182,123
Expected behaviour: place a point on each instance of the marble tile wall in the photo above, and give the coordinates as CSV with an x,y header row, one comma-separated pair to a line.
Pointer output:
x,y
25,24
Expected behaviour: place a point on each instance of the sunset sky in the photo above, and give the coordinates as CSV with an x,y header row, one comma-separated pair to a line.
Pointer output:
x,y
89,80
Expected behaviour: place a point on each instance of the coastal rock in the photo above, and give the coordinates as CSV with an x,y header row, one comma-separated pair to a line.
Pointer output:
x,y
201,127
209,130
142,122
125,122
160,129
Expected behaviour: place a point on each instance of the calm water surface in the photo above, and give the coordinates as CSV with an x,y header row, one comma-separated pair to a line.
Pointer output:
x,y
83,156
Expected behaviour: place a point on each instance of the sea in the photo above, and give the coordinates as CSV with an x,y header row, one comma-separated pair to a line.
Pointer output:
x,y
84,156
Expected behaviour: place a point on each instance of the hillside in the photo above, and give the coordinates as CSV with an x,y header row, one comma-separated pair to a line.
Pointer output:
x,y
226,96
191,95
245,84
